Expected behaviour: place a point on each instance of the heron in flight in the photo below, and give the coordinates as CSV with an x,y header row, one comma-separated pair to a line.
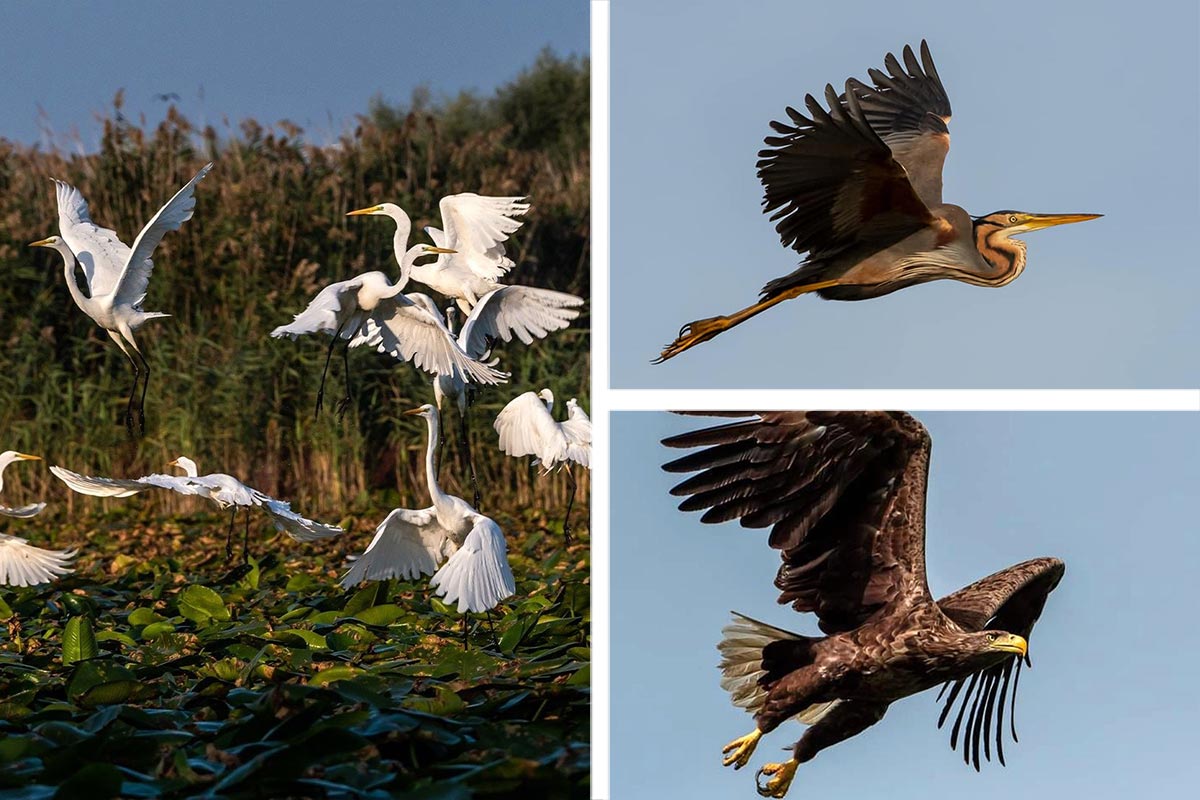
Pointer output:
x,y
858,187
22,564
117,276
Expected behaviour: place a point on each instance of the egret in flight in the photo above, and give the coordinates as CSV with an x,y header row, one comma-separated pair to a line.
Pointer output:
x,y
527,428
414,542
224,490
22,564
473,258
117,276
858,188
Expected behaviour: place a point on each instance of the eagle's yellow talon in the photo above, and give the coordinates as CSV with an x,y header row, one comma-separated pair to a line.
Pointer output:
x,y
781,781
742,748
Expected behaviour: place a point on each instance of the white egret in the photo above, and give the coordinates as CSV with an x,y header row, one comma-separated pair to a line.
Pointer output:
x,y
473,258
413,334
117,276
22,564
521,312
414,542
224,490
527,428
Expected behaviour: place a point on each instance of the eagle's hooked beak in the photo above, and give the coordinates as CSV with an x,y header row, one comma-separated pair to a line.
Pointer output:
x,y
1011,643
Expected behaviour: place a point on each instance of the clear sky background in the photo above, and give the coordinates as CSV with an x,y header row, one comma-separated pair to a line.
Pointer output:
x,y
1081,106
314,63
1108,710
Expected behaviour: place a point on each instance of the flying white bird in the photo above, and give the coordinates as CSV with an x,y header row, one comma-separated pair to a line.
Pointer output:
x,y
527,428
473,258
117,276
224,490
414,542
407,330
22,564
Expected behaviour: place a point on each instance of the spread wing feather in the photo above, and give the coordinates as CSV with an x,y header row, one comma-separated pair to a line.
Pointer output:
x,y
22,564
408,543
477,576
100,253
476,226
524,312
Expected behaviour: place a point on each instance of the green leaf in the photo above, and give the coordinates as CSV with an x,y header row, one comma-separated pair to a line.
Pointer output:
x,y
115,636
157,629
362,599
303,636
202,605
340,672
380,615
144,616
79,641
5,610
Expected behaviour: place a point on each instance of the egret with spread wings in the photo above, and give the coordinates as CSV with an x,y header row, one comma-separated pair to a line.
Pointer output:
x,y
844,496
224,490
858,187
22,564
117,276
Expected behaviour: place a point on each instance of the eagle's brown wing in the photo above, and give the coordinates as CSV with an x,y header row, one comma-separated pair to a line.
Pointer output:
x,y
910,111
842,491
1010,600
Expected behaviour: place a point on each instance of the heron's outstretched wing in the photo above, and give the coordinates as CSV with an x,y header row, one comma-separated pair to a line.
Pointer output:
x,y
332,308
122,487
842,491
521,311
408,543
409,330
527,428
299,528
130,287
477,577
577,427
1010,600
830,182
22,564
910,111
100,253
23,512
476,226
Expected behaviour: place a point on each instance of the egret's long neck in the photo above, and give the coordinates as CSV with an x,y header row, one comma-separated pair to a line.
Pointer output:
x,y
400,243
1005,254
4,462
431,476
68,257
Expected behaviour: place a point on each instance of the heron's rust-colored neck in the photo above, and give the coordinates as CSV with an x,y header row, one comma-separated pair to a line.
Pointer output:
x,y
1006,255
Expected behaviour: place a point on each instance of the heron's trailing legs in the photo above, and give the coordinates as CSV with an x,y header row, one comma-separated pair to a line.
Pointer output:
x,y
246,538
344,403
570,503
702,330
464,444
229,535
325,372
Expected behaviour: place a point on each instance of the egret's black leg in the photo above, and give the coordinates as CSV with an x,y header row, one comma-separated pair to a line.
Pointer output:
x,y
229,535
246,538
145,383
570,502
492,629
464,442
466,645
344,403
325,372
137,374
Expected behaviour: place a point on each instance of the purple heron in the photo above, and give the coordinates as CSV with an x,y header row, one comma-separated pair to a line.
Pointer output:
x,y
858,188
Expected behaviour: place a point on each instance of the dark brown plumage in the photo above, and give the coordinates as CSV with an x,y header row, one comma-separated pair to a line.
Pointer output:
x,y
844,496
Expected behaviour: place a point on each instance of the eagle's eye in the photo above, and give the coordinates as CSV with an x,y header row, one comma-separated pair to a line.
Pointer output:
x,y
991,637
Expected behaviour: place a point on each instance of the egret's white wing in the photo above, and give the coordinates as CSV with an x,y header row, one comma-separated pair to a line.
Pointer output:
x,y
299,528
437,235
408,543
577,427
100,253
23,512
521,311
22,564
119,487
475,226
334,307
478,575
408,331
527,428
130,287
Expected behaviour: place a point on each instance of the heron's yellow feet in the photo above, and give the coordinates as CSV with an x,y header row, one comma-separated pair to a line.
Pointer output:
x,y
780,781
739,750
693,334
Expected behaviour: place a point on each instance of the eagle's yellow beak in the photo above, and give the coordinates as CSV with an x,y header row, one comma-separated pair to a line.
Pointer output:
x,y
361,211
1011,643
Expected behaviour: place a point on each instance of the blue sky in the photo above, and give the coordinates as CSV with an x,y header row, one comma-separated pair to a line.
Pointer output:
x,y
314,63
1058,107
1108,710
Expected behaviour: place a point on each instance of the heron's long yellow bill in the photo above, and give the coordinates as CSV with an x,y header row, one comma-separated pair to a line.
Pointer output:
x,y
42,242
430,249
361,211
27,457
412,412
1038,221
1012,644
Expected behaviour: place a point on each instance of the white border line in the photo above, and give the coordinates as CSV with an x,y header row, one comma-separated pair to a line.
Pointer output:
x,y
600,403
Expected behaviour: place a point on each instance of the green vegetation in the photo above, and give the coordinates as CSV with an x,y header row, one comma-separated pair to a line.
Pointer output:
x,y
156,671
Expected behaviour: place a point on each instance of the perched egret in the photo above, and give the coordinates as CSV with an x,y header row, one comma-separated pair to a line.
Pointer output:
x,y
405,326
117,276
414,542
22,564
224,490
473,258
505,313
527,428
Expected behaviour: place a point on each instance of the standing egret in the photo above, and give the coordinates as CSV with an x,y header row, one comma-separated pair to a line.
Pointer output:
x,y
414,542
117,276
527,428
22,564
473,257
342,309
224,490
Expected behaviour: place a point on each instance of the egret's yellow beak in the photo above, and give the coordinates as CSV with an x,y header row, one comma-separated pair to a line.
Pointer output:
x,y
361,211
1011,643
1036,222
431,249
41,242
174,463
27,457
412,412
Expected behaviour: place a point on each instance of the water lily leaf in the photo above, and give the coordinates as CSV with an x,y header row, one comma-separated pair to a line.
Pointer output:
x,y
201,604
380,615
79,641
157,629
363,598
140,617
339,673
